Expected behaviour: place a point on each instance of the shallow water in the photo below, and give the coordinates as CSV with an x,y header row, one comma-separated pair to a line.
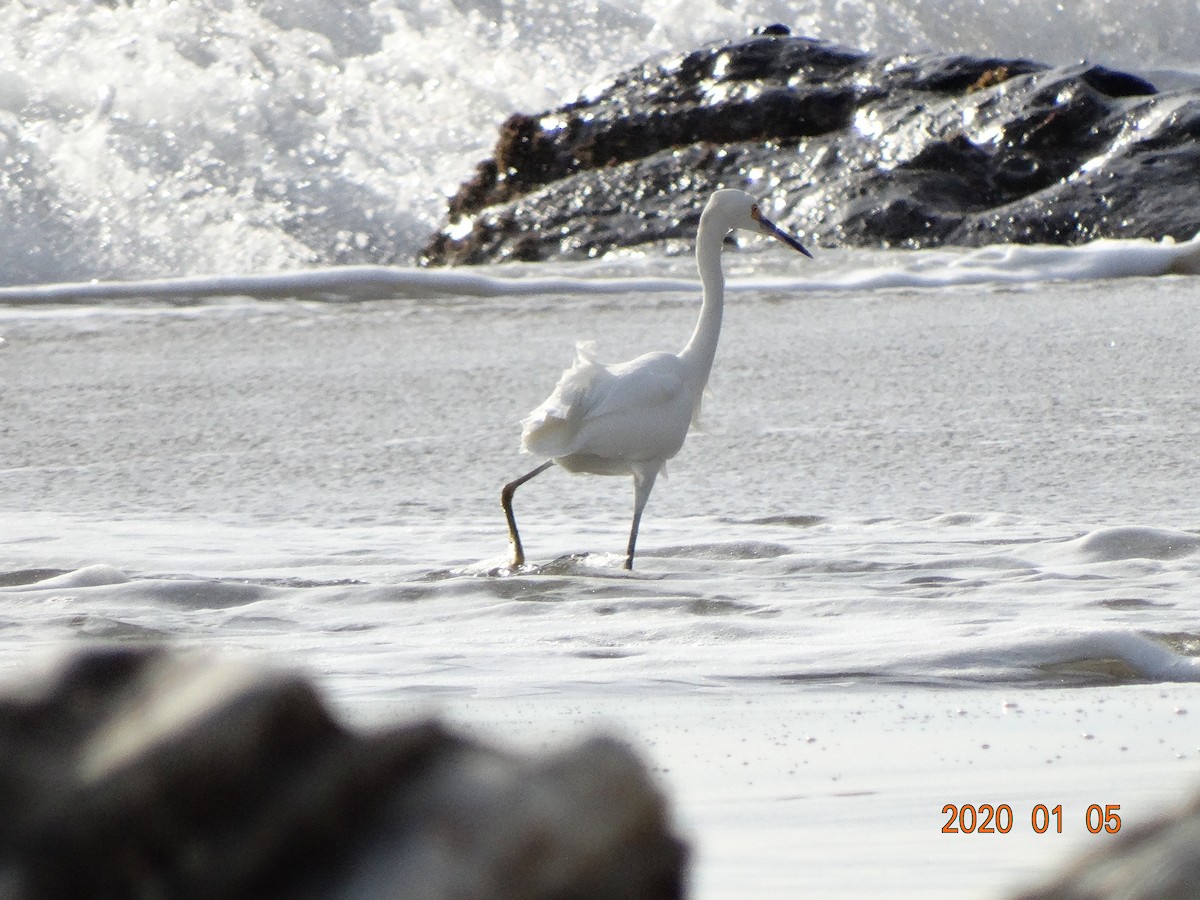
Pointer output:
x,y
935,546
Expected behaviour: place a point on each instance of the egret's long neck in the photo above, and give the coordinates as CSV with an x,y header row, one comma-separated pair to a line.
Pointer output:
x,y
698,355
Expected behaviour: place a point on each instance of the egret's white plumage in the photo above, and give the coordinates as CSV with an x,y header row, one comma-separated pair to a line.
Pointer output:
x,y
603,420
629,419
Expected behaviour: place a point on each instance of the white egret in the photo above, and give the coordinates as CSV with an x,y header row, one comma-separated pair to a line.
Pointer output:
x,y
629,419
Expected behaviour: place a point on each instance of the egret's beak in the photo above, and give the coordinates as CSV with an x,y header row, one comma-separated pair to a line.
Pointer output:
x,y
767,227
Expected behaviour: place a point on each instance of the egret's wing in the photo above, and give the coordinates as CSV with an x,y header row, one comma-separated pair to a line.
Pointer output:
x,y
640,412
632,412
647,383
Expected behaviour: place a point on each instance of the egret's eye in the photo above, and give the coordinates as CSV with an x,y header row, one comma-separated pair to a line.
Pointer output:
x,y
754,213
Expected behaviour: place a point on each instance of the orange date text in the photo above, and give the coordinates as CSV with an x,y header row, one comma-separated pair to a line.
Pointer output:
x,y
989,818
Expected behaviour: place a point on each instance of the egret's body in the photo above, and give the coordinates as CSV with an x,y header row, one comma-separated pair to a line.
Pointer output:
x,y
629,419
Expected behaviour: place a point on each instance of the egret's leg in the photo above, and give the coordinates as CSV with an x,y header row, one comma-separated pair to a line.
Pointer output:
x,y
506,497
643,483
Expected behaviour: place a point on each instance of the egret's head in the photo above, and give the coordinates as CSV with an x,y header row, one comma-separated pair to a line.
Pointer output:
x,y
737,209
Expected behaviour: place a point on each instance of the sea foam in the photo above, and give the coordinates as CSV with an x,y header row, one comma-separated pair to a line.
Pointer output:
x,y
834,271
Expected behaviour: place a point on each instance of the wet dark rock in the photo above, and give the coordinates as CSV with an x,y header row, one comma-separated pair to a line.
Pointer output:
x,y
776,30
1117,84
1159,860
137,773
847,148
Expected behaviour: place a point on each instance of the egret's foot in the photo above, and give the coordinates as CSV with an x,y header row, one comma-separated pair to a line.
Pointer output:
x,y
512,567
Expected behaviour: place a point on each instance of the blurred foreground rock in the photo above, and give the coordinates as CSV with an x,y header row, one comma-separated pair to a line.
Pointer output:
x,y
846,148
141,773
1156,861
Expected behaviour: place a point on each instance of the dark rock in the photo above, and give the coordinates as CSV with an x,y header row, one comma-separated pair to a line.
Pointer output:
x,y
776,30
1156,861
1117,84
136,773
915,151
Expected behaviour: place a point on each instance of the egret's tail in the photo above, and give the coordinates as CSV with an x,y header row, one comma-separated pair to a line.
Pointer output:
x,y
549,429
